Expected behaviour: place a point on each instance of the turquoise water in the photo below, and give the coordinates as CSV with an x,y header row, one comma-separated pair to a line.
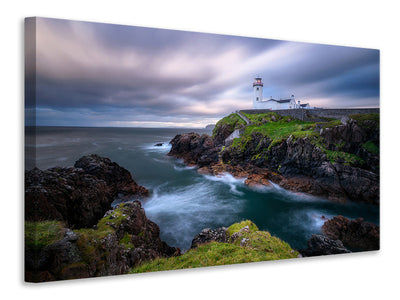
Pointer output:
x,y
183,202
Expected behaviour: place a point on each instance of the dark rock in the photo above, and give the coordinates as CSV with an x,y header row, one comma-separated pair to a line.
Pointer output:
x,y
305,167
341,164
134,239
322,245
222,132
356,234
78,195
208,235
117,178
195,149
158,144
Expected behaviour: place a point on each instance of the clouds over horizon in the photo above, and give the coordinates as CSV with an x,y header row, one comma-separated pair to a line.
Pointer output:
x,y
88,74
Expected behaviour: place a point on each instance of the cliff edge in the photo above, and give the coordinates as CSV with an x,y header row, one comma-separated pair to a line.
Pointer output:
x,y
336,159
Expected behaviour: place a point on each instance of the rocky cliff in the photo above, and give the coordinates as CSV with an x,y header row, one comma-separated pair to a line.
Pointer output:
x,y
71,230
335,159
357,233
78,195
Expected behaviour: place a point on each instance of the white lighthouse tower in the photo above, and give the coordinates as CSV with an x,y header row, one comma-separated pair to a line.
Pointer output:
x,y
258,92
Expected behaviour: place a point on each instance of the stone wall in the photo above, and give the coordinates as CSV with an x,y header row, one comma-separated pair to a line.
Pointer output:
x,y
318,114
236,134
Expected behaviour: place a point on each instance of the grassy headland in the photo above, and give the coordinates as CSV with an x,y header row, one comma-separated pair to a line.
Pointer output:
x,y
277,129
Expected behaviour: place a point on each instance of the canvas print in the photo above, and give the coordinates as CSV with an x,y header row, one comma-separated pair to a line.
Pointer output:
x,y
150,149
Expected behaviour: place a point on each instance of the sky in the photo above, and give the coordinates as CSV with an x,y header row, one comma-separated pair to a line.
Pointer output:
x,y
103,75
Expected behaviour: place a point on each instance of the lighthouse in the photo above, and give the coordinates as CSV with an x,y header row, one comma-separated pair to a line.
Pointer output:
x,y
258,91
273,104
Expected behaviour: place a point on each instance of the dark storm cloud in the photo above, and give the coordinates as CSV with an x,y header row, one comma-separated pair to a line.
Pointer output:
x,y
128,76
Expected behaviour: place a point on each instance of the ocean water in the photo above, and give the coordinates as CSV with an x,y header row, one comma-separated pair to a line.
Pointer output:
x,y
182,201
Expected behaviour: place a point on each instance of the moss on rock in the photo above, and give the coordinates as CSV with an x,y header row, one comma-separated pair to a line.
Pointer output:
x,y
124,237
40,234
245,244
236,227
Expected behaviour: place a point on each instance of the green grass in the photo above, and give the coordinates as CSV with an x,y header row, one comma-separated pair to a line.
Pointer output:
x,y
276,131
370,147
89,241
126,241
330,124
374,117
349,158
40,234
259,246
233,120
237,226
262,118
278,128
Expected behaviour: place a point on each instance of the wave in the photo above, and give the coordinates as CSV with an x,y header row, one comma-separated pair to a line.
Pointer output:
x,y
182,212
184,168
287,194
310,220
162,161
230,180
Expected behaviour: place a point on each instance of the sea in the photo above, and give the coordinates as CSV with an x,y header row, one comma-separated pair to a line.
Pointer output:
x,y
183,202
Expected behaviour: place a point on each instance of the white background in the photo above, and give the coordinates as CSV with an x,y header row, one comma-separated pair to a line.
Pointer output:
x,y
369,24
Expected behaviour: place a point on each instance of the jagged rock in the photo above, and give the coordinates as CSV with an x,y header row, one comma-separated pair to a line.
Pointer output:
x,y
195,149
207,235
356,234
117,178
348,172
127,239
78,195
322,245
236,235
257,180
222,132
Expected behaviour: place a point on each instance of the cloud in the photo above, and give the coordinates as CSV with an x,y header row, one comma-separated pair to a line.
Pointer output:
x,y
142,74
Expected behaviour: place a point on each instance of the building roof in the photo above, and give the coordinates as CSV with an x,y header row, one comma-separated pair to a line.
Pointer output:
x,y
281,100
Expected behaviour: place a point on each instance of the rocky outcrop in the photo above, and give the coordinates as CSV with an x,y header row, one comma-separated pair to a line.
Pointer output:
x,y
341,162
122,239
322,245
222,131
78,195
352,136
356,234
195,149
301,159
208,235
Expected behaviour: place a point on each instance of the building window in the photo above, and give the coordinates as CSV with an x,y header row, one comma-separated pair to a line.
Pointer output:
x,y
257,89
257,98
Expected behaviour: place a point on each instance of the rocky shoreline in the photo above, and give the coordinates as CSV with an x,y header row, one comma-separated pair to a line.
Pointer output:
x,y
335,161
72,232
78,195
338,160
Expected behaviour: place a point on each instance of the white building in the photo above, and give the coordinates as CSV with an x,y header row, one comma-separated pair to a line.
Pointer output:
x,y
273,104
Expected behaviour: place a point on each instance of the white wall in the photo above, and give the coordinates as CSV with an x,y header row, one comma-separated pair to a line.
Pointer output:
x,y
270,104
257,94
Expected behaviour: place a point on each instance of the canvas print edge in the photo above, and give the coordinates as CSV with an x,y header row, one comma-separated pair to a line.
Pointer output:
x,y
237,243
